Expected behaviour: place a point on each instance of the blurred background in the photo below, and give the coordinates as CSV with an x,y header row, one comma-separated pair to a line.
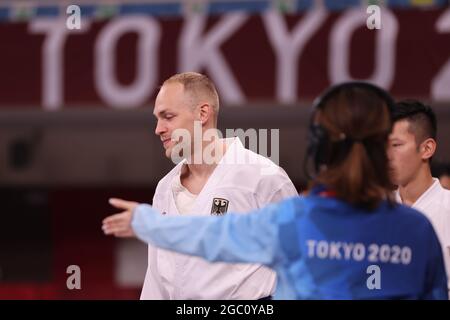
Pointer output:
x,y
76,124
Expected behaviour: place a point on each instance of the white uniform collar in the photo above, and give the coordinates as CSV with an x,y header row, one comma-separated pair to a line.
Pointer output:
x,y
433,188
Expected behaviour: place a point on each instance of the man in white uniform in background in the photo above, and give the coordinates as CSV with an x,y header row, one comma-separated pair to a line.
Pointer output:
x,y
239,180
412,144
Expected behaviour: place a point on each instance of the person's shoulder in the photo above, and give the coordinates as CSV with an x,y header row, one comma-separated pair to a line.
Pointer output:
x,y
417,224
410,216
445,198
247,159
254,171
257,159
263,168
437,200
404,210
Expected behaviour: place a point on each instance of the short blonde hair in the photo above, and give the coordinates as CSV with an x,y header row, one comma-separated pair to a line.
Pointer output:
x,y
198,86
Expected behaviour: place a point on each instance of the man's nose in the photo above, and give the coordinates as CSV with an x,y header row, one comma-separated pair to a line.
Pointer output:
x,y
160,128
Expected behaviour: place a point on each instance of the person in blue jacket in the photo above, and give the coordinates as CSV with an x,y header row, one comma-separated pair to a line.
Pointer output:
x,y
346,239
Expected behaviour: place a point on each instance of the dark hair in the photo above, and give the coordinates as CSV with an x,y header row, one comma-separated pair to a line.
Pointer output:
x,y
421,119
357,120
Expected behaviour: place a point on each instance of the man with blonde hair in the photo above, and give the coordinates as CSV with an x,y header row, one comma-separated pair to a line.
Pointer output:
x,y
184,102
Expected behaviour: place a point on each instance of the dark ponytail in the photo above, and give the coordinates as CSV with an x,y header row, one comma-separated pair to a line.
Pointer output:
x,y
357,168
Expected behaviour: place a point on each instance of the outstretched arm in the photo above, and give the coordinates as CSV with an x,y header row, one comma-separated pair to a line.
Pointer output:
x,y
251,238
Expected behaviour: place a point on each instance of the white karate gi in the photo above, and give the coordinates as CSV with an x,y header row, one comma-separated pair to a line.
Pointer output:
x,y
242,181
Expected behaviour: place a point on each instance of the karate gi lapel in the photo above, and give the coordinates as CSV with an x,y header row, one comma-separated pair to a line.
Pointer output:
x,y
204,200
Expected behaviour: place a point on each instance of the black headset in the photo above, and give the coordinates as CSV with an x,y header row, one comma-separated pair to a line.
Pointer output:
x,y
318,136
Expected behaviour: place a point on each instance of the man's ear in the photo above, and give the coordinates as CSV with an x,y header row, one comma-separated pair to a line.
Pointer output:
x,y
428,148
205,112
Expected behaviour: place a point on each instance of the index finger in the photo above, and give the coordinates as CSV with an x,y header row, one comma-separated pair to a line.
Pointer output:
x,y
122,204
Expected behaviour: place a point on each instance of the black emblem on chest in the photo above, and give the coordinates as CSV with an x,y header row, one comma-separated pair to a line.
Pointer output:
x,y
219,206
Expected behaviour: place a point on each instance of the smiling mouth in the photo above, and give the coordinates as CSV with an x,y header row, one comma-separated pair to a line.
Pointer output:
x,y
165,142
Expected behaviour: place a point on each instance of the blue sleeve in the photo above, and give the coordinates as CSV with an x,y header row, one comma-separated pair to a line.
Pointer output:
x,y
436,278
247,238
